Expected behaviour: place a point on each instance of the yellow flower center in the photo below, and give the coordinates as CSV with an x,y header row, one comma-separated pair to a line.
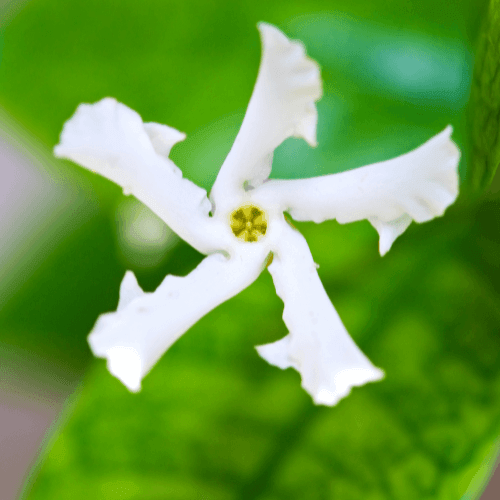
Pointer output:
x,y
248,223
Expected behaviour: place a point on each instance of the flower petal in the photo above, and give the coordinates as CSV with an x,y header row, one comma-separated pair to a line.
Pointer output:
x,y
281,106
145,325
163,138
129,290
389,231
318,345
110,139
418,185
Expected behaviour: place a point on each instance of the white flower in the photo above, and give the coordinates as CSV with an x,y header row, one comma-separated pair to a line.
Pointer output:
x,y
242,224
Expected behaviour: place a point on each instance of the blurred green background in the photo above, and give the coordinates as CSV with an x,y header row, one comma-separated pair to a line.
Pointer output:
x,y
213,420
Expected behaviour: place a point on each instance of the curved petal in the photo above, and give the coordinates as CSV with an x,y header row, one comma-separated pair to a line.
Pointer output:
x,y
318,345
418,186
110,139
145,325
281,106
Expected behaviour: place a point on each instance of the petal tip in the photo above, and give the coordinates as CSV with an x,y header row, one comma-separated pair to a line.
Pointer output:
x,y
384,245
58,151
269,30
163,138
276,353
343,383
389,231
307,127
129,290
126,365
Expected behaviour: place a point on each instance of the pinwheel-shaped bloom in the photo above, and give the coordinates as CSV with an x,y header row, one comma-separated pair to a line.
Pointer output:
x,y
241,226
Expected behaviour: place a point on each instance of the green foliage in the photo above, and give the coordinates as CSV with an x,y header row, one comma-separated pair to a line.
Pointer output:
x,y
214,421
484,125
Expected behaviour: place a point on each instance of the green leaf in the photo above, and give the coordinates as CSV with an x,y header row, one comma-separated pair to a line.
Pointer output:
x,y
215,421
484,124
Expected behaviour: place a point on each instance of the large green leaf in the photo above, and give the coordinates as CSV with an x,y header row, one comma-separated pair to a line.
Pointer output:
x,y
214,421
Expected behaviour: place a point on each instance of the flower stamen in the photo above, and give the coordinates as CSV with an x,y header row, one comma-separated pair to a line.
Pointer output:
x,y
248,223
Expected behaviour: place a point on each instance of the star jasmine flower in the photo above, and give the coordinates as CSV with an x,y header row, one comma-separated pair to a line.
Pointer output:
x,y
241,227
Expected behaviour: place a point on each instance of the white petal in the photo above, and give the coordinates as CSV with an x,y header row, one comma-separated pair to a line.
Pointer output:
x,y
277,353
389,231
129,290
163,138
110,139
318,345
418,186
125,364
145,325
281,106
